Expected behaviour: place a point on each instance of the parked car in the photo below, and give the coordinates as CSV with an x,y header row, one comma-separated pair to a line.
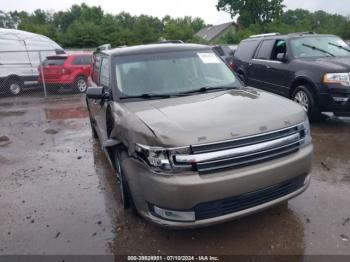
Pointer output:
x,y
309,68
70,70
190,145
226,52
20,56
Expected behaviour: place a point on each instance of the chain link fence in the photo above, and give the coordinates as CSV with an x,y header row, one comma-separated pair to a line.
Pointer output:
x,y
42,73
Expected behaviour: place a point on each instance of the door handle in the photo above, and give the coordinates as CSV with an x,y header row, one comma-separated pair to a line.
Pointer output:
x,y
268,67
250,64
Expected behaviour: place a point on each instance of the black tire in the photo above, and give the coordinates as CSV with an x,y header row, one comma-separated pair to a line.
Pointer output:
x,y
125,194
304,96
14,87
80,85
93,130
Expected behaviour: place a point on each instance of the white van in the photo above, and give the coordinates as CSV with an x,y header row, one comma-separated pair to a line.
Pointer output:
x,y
20,56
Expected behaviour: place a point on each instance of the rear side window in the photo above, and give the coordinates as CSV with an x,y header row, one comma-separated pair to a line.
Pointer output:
x,y
104,75
54,62
96,69
265,50
82,60
246,50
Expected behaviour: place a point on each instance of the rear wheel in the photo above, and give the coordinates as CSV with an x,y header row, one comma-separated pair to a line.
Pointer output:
x,y
125,195
14,87
80,85
303,96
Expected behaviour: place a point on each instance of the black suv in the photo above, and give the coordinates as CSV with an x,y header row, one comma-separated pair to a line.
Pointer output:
x,y
311,69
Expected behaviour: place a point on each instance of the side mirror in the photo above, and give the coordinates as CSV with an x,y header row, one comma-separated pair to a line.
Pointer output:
x,y
96,93
282,57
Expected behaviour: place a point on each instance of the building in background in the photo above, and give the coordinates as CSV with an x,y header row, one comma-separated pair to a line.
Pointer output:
x,y
212,34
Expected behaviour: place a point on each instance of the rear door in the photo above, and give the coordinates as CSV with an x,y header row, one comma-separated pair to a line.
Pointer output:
x,y
82,64
242,58
259,65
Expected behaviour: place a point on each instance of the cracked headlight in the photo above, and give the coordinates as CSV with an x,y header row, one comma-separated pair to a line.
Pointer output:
x,y
154,156
158,157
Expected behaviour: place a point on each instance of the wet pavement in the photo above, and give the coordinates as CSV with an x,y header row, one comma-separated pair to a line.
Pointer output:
x,y
58,195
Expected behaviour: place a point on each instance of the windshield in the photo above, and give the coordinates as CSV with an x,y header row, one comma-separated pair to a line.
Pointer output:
x,y
318,46
171,73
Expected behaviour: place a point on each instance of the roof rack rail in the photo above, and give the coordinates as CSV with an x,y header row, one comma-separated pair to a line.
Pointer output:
x,y
171,42
303,33
264,35
103,47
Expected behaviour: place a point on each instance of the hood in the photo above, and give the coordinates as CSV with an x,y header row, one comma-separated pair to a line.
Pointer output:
x,y
334,64
214,116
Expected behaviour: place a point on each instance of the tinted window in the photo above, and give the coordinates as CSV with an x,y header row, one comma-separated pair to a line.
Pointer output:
x,y
96,69
104,75
265,49
246,50
54,61
82,60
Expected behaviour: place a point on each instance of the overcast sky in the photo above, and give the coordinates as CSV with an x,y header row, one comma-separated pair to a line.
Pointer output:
x,y
176,8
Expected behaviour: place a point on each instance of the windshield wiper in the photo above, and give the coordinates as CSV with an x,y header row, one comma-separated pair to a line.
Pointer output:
x,y
206,89
146,96
318,49
339,46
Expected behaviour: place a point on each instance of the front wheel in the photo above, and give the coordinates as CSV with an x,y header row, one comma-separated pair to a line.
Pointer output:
x,y
80,85
304,97
125,194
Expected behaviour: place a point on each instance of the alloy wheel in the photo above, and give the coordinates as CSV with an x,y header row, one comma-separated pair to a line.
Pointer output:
x,y
15,88
81,84
302,98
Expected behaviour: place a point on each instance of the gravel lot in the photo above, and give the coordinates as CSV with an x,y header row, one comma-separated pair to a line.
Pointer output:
x,y
58,194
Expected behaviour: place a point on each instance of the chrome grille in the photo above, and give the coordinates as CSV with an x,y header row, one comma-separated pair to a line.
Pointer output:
x,y
215,157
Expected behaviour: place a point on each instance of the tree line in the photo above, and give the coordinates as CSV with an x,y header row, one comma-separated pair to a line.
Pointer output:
x,y
85,26
263,16
89,26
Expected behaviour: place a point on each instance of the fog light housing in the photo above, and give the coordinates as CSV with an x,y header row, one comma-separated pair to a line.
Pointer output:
x,y
340,99
174,215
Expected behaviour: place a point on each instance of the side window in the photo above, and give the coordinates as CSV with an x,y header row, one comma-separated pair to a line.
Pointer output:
x,y
82,60
265,50
104,75
96,69
77,60
280,47
87,60
246,50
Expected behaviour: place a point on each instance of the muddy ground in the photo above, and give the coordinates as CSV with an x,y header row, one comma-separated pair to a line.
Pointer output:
x,y
58,195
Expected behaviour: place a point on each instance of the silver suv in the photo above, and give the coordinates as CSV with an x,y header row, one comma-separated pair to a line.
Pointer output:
x,y
190,145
